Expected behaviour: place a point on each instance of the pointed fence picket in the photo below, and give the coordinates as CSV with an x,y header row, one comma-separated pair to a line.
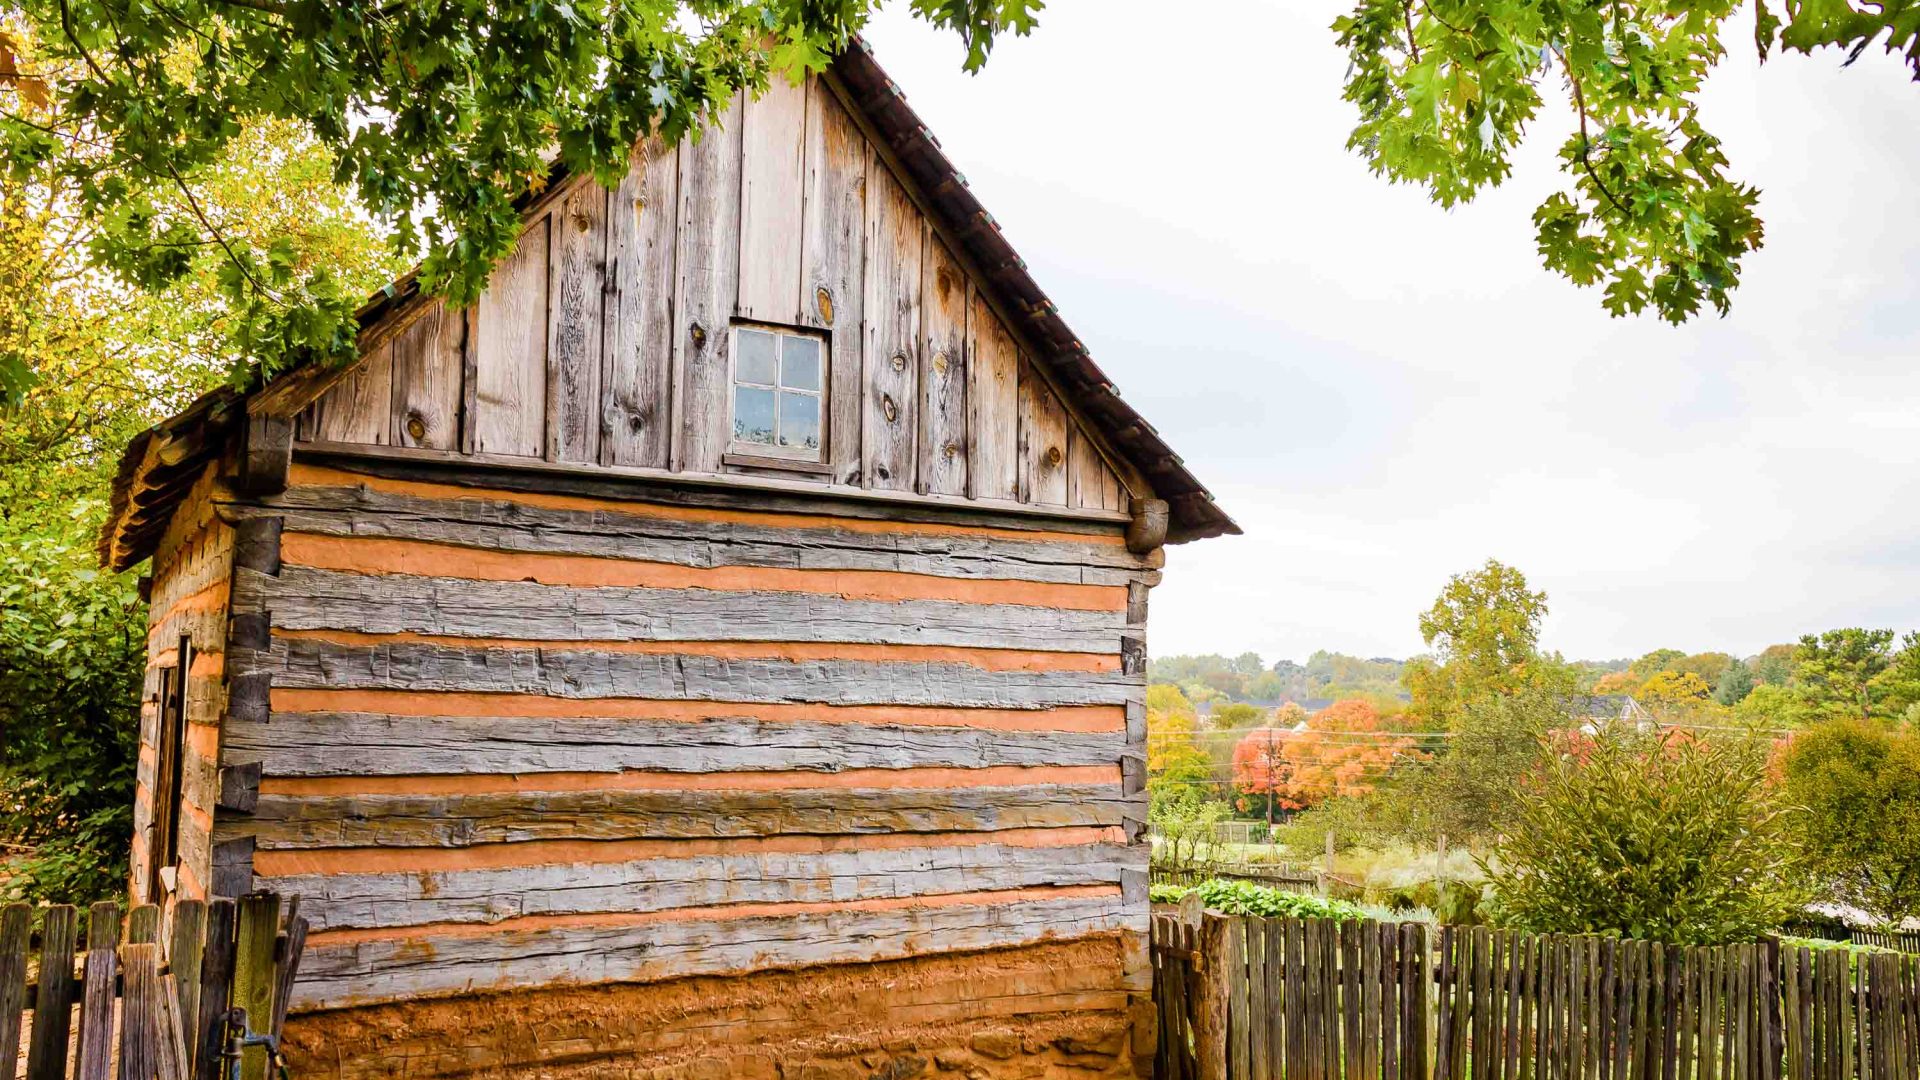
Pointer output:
x,y
1249,998
127,1006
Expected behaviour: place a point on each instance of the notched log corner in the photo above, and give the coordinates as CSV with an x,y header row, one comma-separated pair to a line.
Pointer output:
x,y
1148,529
266,456
240,787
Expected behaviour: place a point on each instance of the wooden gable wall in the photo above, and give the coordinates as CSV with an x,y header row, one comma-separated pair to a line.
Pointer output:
x,y
603,339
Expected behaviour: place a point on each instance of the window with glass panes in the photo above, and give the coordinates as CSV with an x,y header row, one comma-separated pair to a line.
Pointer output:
x,y
778,402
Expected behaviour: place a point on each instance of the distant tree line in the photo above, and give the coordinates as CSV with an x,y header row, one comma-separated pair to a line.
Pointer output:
x,y
1693,797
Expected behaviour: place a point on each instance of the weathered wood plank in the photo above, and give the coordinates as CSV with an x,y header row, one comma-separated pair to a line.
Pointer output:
x,y
334,901
308,821
57,992
185,954
339,974
93,1060
946,297
750,492
143,925
510,351
772,185
1090,483
368,744
510,526
305,663
428,361
576,285
140,1012
994,398
253,983
172,1062
287,965
1043,441
896,238
642,221
206,1034
707,266
1239,1004
359,407
16,925
834,244
303,598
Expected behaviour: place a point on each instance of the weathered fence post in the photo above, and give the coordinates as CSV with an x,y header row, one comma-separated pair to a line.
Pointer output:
x,y
1326,876
1210,1011
253,977
16,925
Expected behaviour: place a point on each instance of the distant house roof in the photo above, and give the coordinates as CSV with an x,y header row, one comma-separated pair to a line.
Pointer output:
x,y
1609,707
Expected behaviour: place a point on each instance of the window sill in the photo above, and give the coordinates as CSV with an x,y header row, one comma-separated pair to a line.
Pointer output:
x,y
756,461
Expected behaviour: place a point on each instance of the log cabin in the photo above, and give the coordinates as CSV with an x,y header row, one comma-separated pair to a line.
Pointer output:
x,y
719,651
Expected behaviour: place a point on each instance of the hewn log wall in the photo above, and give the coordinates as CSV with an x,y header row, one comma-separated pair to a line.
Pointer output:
x,y
192,576
604,338
516,738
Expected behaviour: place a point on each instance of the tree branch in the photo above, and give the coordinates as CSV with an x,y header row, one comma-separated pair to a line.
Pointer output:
x,y
213,231
1586,143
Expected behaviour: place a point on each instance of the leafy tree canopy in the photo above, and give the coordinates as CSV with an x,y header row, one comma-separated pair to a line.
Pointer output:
x,y
1173,756
436,114
1484,629
105,360
1734,684
1857,784
1856,672
1653,213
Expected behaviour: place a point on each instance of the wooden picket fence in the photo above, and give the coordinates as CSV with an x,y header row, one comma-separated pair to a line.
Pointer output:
x,y
1244,998
206,1005
1907,941
1278,876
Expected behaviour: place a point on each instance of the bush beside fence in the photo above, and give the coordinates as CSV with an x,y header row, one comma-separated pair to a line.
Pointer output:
x,y
1246,998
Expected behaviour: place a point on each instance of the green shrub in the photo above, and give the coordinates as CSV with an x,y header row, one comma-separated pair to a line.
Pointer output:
x,y
1857,785
71,656
1247,898
1671,839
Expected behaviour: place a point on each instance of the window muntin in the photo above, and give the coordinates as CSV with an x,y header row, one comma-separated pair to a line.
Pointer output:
x,y
779,397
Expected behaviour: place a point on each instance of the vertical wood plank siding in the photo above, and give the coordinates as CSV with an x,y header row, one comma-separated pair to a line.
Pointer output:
x,y
639,331
522,738
708,266
606,336
510,350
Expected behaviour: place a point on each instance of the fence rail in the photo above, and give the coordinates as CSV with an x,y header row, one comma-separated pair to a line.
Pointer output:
x,y
127,1006
1292,879
1245,998
1906,941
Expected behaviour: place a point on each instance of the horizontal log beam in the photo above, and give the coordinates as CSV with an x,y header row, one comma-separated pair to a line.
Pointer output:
x,y
371,744
347,505
459,820
345,971
302,598
336,901
587,673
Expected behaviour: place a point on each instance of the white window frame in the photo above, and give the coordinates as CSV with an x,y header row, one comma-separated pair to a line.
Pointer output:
x,y
797,455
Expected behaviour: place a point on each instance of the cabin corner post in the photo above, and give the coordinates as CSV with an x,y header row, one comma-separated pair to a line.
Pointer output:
x,y
256,560
266,454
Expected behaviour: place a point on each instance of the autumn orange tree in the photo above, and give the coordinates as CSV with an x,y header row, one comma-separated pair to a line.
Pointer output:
x,y
1343,749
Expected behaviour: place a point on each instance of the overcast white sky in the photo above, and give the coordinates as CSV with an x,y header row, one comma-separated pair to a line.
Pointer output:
x,y
1383,393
